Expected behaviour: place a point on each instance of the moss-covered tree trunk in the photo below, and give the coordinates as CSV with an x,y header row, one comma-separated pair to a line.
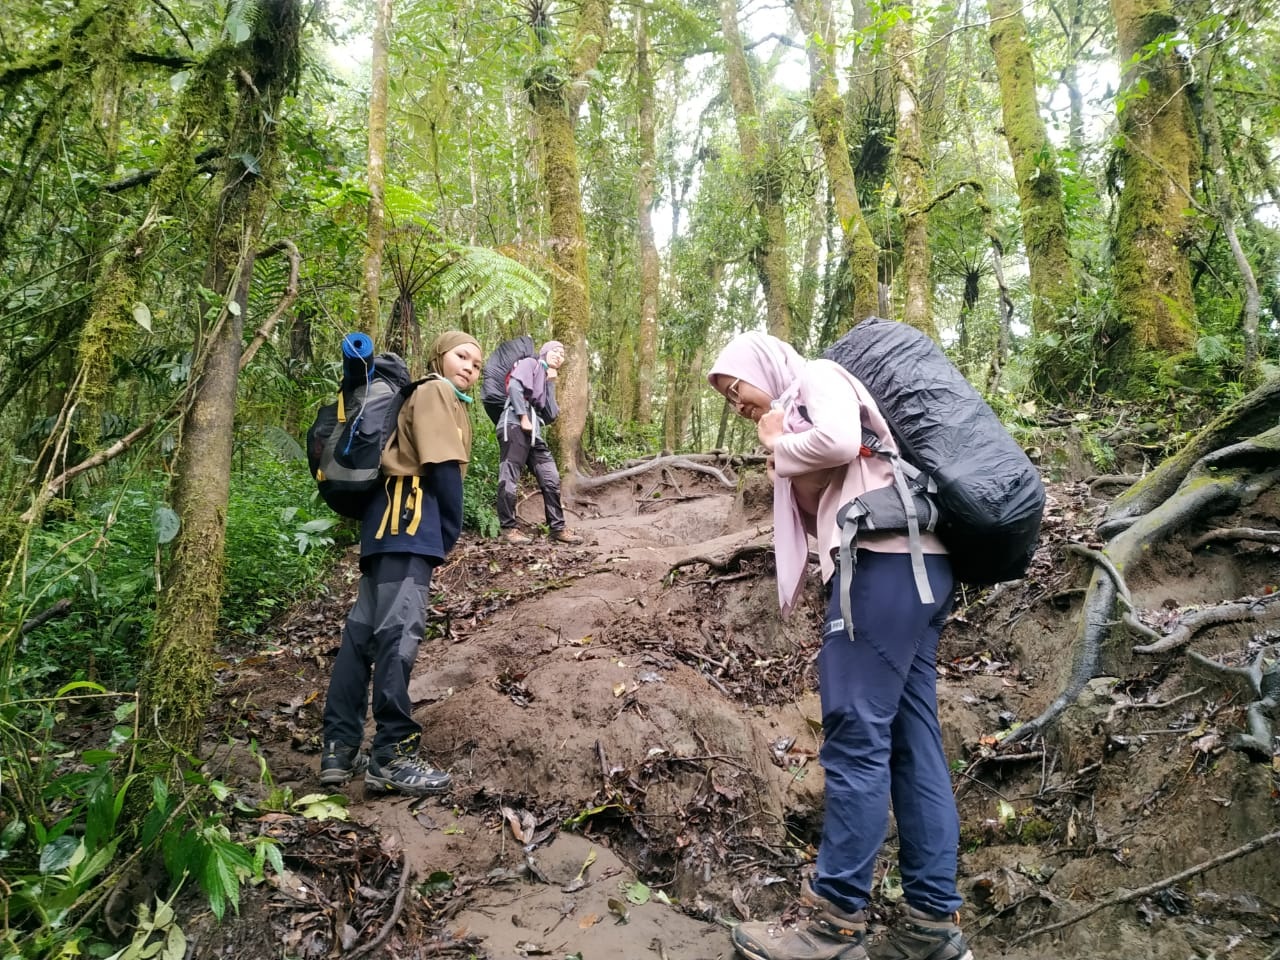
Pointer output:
x,y
857,248
806,302
1159,156
909,170
1044,222
377,163
760,160
647,335
555,94
177,681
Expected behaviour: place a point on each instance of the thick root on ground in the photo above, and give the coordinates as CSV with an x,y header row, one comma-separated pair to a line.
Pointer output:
x,y
1251,415
1220,481
583,484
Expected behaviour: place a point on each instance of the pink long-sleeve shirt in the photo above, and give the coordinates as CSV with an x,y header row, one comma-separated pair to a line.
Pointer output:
x,y
824,462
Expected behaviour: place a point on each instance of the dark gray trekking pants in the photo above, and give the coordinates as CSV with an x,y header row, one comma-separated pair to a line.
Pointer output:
x,y
519,450
380,641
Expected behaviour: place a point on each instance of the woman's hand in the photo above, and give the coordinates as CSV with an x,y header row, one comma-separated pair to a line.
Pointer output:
x,y
769,429
526,424
771,469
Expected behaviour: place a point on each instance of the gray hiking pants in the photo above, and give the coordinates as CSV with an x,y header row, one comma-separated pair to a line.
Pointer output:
x,y
519,450
380,642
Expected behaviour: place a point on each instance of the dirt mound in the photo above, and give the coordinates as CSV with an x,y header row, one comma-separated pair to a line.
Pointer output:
x,y
639,701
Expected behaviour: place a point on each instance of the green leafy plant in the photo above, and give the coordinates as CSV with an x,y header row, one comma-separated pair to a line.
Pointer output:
x,y
67,838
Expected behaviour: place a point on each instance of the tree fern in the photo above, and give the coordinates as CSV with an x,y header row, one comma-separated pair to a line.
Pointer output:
x,y
485,282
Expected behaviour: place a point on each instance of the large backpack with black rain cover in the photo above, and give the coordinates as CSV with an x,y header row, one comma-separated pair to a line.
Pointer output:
x,y
496,373
345,443
989,494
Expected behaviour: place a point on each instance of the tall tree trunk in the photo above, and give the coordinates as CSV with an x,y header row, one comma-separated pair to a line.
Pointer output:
x,y
670,442
377,172
647,335
1159,157
760,160
807,294
857,247
933,84
177,684
913,191
555,94
1035,167
869,108
1073,27
1224,190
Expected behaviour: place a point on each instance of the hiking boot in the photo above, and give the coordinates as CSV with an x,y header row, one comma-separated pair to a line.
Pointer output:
x,y
565,535
340,762
919,935
829,934
515,536
405,773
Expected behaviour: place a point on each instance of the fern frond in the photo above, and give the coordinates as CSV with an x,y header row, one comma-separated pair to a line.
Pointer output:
x,y
485,282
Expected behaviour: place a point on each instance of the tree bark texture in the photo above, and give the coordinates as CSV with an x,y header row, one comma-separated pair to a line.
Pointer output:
x,y
857,247
1159,159
912,183
177,681
555,96
1044,222
759,159
377,159
647,339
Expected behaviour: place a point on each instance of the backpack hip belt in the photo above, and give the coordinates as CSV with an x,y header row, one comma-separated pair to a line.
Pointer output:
x,y
908,505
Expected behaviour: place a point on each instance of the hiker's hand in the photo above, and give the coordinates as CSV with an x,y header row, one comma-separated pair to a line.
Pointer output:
x,y
525,423
769,429
552,373
769,468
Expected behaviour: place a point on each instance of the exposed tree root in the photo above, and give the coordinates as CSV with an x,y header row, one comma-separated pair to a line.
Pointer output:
x,y
1253,683
1245,682
1129,896
1220,481
1253,414
1112,480
1234,534
1256,611
685,463
1256,742
727,563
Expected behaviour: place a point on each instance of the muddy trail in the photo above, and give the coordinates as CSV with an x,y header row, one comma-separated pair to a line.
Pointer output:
x,y
633,734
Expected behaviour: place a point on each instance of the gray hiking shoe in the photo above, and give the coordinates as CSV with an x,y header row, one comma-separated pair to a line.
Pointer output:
x,y
405,773
829,934
919,935
340,762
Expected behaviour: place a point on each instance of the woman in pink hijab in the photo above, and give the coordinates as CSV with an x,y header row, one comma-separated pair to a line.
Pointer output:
x,y
877,675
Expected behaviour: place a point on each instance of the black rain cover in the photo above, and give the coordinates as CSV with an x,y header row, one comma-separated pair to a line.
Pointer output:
x,y
493,378
991,495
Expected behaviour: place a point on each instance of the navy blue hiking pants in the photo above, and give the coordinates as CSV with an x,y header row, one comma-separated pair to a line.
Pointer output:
x,y
380,642
882,739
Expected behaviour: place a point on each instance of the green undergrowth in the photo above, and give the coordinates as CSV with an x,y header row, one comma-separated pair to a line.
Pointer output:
x,y
104,555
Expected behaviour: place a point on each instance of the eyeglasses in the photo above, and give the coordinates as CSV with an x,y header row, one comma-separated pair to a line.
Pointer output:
x,y
731,392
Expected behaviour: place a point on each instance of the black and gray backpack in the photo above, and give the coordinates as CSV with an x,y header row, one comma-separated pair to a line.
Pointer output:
x,y
953,453
345,443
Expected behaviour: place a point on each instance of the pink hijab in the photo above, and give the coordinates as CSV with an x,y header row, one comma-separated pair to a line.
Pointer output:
x,y
773,366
